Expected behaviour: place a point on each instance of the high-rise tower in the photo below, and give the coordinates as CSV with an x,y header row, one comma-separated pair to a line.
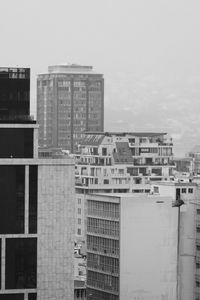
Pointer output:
x,y
70,101
36,206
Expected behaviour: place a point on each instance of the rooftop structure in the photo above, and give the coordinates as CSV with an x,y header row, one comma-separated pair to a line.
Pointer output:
x,y
14,93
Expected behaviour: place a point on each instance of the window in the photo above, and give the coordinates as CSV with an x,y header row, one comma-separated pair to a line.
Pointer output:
x,y
79,221
79,211
156,189
198,211
190,191
198,265
184,191
79,200
79,231
197,284
21,263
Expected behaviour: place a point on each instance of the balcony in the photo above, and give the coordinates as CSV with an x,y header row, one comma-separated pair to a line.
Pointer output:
x,y
154,164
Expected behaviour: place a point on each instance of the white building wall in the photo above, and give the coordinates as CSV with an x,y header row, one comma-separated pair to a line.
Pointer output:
x,y
187,251
80,214
55,274
148,248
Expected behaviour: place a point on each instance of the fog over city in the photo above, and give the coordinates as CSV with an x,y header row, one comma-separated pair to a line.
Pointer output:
x,y
147,50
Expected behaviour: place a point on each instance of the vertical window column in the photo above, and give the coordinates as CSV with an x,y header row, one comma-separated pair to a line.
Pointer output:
x,y
26,198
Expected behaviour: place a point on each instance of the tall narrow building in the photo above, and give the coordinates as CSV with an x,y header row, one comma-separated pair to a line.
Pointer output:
x,y
70,101
36,207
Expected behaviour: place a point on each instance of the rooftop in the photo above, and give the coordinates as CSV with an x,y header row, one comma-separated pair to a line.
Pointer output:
x,y
139,134
71,69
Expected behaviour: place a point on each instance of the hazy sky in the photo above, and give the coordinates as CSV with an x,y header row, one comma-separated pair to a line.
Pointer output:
x,y
122,39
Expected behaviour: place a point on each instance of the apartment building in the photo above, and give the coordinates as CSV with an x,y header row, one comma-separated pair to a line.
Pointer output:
x,y
131,247
144,246
36,213
187,194
70,101
119,163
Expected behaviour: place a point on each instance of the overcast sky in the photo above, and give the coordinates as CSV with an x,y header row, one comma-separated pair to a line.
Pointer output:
x,y
129,38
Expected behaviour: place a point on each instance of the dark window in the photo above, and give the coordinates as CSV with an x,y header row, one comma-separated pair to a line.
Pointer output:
x,y
33,199
198,211
178,194
104,151
16,142
12,187
32,296
190,191
11,296
184,191
0,263
21,263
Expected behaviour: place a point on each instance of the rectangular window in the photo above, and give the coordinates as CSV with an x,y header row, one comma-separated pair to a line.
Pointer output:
x,y
32,296
198,211
12,187
0,263
79,221
21,263
17,143
33,178
79,211
190,191
79,200
79,231
184,191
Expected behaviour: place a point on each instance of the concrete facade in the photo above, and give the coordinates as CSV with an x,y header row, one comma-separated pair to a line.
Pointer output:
x,y
132,252
189,235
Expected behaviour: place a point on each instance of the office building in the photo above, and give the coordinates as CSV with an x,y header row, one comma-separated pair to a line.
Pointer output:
x,y
145,246
131,247
70,101
119,162
36,216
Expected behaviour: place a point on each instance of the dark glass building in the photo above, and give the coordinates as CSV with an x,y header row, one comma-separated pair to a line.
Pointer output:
x,y
31,190
14,93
